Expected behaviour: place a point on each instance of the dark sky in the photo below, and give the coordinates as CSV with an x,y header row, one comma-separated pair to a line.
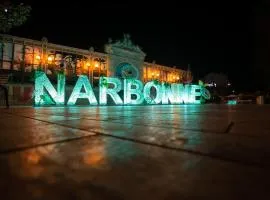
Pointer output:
x,y
211,37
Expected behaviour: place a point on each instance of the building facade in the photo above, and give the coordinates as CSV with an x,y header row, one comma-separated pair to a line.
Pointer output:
x,y
120,59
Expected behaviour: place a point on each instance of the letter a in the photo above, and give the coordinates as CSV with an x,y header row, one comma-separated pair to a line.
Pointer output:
x,y
77,94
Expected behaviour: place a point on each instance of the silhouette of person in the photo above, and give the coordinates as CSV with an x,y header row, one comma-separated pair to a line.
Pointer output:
x,y
4,88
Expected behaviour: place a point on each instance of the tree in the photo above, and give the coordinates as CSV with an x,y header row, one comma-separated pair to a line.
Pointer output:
x,y
218,79
13,16
219,83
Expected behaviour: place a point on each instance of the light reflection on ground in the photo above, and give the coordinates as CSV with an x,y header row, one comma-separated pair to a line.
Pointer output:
x,y
165,152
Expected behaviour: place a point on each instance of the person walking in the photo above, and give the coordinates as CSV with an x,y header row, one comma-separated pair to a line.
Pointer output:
x,y
3,87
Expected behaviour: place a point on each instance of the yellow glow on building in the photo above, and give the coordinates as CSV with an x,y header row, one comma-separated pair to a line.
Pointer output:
x,y
38,57
50,58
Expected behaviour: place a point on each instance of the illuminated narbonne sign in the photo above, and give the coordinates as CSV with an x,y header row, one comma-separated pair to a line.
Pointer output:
x,y
134,92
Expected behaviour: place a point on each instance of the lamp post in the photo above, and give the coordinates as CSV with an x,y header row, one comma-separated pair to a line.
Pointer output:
x,y
90,64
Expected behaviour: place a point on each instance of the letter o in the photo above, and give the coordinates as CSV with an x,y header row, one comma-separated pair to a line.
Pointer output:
x,y
147,93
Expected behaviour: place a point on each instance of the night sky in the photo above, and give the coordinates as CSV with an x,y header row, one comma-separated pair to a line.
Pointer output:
x,y
210,37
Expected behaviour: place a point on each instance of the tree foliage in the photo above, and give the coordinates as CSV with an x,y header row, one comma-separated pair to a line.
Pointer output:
x,y
13,16
220,79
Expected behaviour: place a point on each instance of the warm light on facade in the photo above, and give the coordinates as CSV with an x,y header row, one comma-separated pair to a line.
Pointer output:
x,y
50,58
38,57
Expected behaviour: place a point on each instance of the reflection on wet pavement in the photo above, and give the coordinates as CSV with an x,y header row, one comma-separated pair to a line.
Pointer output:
x,y
135,152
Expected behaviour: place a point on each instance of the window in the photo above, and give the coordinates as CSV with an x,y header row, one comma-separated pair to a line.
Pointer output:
x,y
7,55
18,56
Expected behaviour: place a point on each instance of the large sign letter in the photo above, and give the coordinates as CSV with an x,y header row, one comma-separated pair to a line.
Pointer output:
x,y
190,93
147,93
129,91
195,94
113,92
170,92
82,83
52,96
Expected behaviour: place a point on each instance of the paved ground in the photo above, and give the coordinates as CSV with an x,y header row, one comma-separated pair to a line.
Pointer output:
x,y
144,152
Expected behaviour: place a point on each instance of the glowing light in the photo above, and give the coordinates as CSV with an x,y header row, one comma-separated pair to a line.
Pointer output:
x,y
38,57
195,93
191,94
52,96
153,92
147,93
157,74
184,92
205,93
104,90
232,102
76,94
178,78
96,64
50,58
170,93
129,91
88,64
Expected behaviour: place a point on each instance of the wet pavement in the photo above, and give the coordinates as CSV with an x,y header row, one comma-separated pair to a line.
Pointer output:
x,y
135,152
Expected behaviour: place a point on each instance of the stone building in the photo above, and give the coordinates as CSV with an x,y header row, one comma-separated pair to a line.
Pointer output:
x,y
121,59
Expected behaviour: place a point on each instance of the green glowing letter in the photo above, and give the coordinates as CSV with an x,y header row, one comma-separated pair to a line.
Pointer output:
x,y
147,93
205,93
170,93
184,93
195,94
190,93
104,89
128,91
82,82
52,96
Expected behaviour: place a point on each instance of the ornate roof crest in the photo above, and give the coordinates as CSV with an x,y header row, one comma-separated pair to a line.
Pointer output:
x,y
126,43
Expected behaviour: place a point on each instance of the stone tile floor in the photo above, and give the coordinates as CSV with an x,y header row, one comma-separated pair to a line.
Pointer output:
x,y
135,152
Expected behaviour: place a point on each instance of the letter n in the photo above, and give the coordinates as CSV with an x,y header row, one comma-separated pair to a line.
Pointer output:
x,y
51,96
